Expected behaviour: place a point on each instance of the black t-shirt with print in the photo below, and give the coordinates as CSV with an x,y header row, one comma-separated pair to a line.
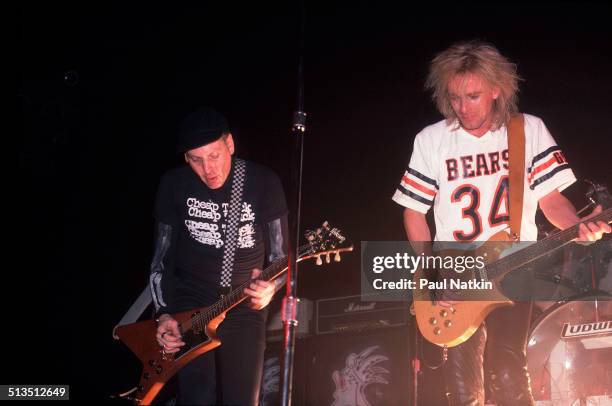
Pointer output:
x,y
198,216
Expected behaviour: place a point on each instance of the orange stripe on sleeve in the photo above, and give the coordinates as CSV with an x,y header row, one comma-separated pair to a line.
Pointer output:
x,y
542,167
420,187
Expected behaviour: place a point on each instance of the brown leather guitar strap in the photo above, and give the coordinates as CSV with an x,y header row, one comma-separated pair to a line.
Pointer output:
x,y
516,162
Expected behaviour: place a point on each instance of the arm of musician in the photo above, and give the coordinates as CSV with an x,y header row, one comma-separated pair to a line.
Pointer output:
x,y
277,244
417,231
161,265
562,214
168,334
419,235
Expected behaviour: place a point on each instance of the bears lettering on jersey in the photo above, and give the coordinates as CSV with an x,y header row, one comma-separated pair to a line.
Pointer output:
x,y
471,166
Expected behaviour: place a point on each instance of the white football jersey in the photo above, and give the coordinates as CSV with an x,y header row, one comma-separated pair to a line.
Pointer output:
x,y
466,179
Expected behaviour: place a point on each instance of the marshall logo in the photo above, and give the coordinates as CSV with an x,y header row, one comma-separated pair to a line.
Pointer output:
x,y
587,329
352,307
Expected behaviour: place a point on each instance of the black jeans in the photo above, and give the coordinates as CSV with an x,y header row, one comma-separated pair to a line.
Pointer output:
x,y
231,373
498,347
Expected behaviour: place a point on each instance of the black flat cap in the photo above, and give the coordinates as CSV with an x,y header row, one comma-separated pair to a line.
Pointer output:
x,y
201,127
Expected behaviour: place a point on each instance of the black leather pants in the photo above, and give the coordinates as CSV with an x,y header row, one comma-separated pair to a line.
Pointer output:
x,y
497,347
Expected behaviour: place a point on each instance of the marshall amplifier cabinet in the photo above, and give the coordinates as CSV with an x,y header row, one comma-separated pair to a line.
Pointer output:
x,y
275,329
356,313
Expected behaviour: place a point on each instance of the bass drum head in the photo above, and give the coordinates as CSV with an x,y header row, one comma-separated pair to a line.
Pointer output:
x,y
569,353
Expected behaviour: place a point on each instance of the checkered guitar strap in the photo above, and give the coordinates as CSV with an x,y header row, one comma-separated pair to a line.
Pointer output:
x,y
231,230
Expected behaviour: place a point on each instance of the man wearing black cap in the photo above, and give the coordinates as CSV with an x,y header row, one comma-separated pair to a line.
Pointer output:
x,y
218,220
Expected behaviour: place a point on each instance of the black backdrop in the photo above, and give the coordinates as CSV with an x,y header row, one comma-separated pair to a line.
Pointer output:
x,y
101,89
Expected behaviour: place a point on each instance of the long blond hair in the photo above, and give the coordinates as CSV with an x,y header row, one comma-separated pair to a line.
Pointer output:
x,y
484,60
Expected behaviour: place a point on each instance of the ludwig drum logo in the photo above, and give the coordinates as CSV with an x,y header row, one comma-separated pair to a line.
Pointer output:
x,y
586,329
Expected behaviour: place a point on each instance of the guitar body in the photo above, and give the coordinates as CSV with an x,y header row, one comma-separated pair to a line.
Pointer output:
x,y
159,367
452,326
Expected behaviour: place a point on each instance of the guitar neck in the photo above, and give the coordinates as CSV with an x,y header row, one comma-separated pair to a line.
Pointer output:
x,y
497,269
237,295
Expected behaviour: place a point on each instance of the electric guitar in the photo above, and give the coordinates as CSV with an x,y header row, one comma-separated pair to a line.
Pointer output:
x,y
198,327
451,326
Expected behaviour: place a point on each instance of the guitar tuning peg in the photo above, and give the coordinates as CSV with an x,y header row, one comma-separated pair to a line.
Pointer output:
x,y
319,260
327,259
337,256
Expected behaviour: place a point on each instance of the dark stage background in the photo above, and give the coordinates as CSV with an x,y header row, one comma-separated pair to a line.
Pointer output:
x,y
102,87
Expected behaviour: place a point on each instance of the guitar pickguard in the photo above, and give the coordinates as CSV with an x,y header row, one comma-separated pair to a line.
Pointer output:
x,y
193,340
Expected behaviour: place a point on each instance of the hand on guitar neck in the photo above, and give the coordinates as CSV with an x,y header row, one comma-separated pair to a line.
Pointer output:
x,y
260,291
590,231
562,214
168,333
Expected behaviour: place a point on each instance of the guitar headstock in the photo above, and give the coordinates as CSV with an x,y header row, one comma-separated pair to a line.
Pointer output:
x,y
325,241
599,194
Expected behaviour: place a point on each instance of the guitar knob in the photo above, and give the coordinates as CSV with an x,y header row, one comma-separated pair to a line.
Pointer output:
x,y
158,370
443,313
437,331
452,310
433,321
152,362
337,257
327,259
146,375
448,323
319,260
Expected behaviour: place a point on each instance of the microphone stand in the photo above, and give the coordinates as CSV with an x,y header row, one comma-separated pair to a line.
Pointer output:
x,y
290,302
